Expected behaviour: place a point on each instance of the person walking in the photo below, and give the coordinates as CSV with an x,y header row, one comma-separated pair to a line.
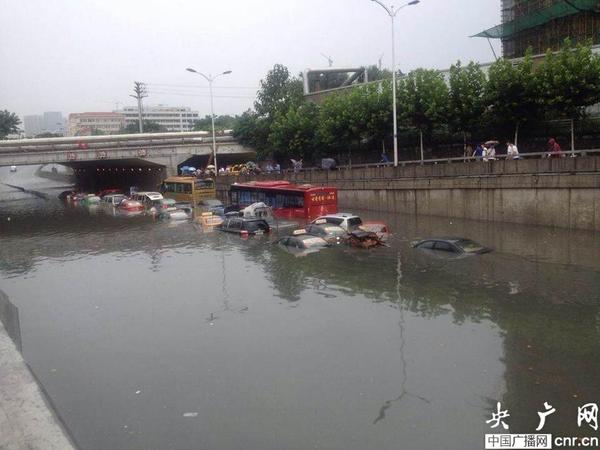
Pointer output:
x,y
478,153
554,150
512,152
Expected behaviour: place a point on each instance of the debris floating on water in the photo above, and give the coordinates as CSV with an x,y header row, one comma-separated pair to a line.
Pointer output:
x,y
190,414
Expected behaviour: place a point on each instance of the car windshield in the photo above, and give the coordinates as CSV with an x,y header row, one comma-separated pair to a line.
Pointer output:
x,y
354,222
335,231
169,201
469,246
212,203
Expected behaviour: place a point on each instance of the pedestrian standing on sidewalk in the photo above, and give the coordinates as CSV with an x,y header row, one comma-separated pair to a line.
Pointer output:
x,y
512,152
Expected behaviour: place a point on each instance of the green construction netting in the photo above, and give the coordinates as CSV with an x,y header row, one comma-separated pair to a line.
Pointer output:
x,y
561,8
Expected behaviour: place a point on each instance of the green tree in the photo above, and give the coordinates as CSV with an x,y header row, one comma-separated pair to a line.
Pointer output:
x,y
512,93
48,135
294,134
278,92
9,123
224,122
149,127
466,102
422,100
569,81
374,73
253,131
363,114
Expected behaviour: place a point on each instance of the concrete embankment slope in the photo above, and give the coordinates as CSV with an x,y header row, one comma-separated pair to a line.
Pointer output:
x,y
27,422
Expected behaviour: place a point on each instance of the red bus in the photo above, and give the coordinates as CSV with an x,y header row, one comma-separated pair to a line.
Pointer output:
x,y
302,201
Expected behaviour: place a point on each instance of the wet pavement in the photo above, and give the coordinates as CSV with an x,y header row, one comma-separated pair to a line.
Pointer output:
x,y
148,335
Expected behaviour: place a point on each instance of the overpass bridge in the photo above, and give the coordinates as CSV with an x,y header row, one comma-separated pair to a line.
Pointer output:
x,y
86,153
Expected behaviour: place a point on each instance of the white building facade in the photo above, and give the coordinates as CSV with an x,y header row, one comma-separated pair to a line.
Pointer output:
x,y
87,123
171,118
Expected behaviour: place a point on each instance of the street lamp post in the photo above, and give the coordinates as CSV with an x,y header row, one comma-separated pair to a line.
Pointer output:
x,y
210,80
392,13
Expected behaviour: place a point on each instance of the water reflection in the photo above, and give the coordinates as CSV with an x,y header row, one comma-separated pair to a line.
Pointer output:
x,y
379,346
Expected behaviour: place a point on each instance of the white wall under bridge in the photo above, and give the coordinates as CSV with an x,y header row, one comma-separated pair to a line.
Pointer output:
x,y
165,149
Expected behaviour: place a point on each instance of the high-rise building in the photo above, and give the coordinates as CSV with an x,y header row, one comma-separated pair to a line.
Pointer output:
x,y
545,24
33,125
171,118
54,122
88,123
49,122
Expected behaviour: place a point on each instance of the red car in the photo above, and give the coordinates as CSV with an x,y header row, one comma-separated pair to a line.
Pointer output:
x,y
131,206
379,228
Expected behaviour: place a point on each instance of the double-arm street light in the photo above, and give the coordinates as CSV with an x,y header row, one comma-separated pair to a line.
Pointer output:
x,y
210,80
392,13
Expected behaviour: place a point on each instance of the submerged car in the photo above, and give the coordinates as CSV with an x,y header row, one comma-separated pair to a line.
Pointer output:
x,y
302,243
164,205
333,234
346,221
131,206
379,228
13,168
451,246
113,199
244,227
364,239
212,205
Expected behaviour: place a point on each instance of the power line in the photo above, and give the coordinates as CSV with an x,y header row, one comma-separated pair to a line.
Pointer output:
x,y
187,94
201,87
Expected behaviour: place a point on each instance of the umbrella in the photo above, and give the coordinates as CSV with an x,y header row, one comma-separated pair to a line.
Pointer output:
x,y
491,143
210,166
191,169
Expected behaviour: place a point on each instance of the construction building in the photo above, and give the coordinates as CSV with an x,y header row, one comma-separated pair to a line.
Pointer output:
x,y
545,24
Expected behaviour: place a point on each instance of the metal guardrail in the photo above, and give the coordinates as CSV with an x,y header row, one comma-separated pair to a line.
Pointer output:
x,y
460,159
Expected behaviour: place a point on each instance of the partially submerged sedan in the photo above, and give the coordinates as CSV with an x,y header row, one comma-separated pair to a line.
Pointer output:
x,y
244,227
451,247
333,234
301,243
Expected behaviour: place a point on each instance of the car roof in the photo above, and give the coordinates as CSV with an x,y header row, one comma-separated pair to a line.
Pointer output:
x,y
337,216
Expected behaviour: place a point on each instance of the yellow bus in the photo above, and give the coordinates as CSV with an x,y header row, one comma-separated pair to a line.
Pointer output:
x,y
189,189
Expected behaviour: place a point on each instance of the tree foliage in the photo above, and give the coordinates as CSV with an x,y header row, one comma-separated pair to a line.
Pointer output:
x,y
149,127
423,99
294,134
512,92
569,81
466,103
278,92
9,123
224,122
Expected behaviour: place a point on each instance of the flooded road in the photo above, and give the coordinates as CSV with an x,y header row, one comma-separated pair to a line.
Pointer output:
x,y
147,335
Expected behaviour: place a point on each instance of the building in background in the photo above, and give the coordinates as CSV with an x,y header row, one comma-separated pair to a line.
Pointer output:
x,y
171,118
49,122
33,125
544,24
90,123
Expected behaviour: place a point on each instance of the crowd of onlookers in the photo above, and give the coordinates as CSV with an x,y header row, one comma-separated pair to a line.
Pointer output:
x,y
487,151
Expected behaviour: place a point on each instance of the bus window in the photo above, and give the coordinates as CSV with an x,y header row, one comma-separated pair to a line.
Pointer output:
x,y
187,188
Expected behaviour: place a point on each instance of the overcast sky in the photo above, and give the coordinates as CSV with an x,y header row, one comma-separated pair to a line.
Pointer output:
x,y
84,55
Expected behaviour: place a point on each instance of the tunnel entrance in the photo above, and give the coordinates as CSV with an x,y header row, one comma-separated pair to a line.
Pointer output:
x,y
121,174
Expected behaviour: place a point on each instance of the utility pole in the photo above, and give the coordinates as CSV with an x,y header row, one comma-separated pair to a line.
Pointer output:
x,y
140,92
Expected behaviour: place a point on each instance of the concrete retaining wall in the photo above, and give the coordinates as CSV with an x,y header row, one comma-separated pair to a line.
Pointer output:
x,y
561,192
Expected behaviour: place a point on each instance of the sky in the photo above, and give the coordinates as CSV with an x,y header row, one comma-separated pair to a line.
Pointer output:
x,y
84,55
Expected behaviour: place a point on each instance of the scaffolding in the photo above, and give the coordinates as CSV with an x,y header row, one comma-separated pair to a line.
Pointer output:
x,y
544,24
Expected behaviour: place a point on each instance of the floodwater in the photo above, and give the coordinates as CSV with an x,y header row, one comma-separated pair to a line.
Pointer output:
x,y
147,335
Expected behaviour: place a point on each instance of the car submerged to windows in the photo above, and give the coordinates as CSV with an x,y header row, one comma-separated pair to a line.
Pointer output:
x,y
451,247
300,243
333,234
244,227
347,221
